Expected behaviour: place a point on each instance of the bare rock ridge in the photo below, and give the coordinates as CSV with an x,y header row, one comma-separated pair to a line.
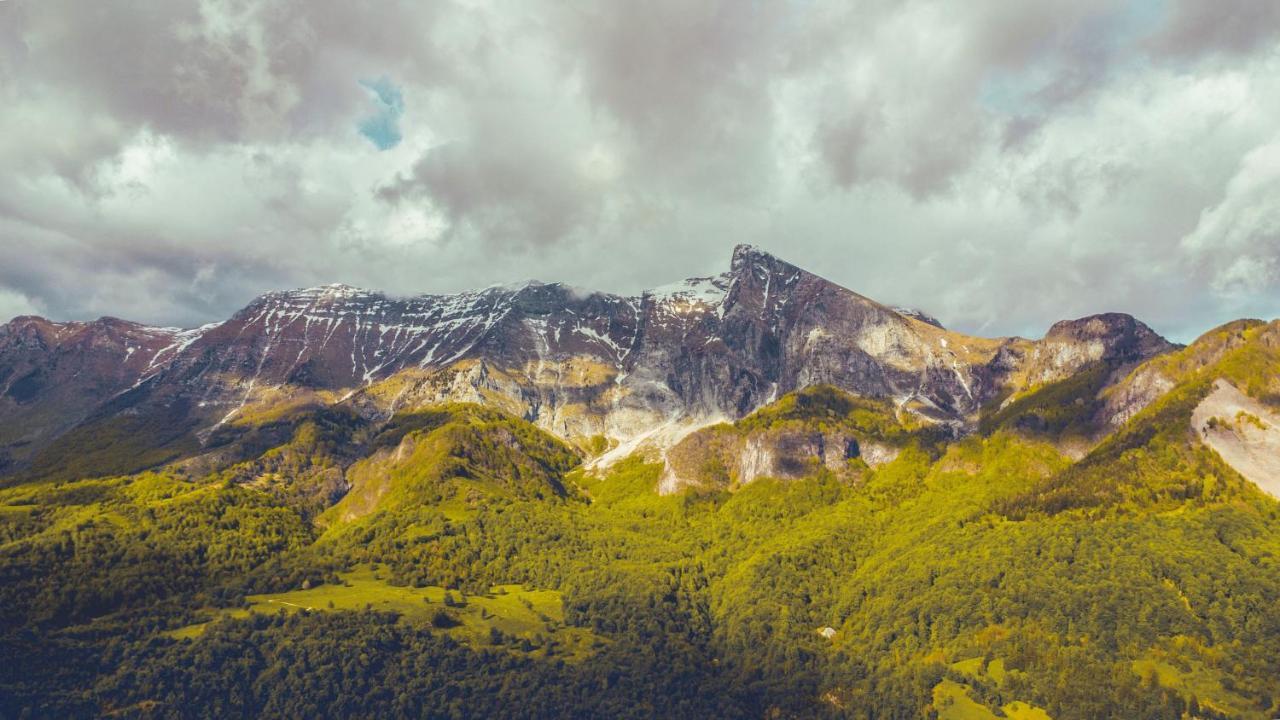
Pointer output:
x,y
643,369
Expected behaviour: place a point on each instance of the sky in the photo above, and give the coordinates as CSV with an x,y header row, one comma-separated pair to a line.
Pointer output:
x,y
998,164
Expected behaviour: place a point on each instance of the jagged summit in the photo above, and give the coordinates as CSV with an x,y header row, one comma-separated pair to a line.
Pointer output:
x,y
745,254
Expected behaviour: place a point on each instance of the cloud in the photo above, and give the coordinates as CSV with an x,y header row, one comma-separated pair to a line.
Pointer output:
x,y
1001,166
1226,27
13,304
1235,247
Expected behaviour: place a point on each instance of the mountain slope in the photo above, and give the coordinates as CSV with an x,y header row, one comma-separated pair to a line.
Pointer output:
x,y
631,371
827,555
52,375
1243,432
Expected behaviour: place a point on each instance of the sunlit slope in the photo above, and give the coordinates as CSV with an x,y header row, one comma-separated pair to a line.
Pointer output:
x,y
453,456
990,573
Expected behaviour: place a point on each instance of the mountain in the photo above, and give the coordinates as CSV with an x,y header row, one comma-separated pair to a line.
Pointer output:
x,y
637,371
751,495
54,375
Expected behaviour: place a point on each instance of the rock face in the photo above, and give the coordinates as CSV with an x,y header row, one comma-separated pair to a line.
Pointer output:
x,y
53,375
717,460
1134,393
1244,432
580,364
1113,337
1072,345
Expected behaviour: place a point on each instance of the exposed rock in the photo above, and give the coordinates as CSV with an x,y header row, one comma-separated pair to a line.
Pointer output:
x,y
1072,345
1243,432
1134,394
1148,382
789,446
53,375
639,371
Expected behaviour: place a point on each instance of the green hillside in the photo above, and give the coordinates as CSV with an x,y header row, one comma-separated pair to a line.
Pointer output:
x,y
474,568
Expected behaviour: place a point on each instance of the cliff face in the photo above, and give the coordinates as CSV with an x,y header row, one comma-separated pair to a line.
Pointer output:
x,y
635,370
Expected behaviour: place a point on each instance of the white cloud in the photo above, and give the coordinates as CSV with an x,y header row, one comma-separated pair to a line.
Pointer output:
x,y
13,304
1236,244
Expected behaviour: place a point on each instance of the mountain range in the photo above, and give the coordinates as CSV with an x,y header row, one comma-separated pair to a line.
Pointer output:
x,y
757,494
634,370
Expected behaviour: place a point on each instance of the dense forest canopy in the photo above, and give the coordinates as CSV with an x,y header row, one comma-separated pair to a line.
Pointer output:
x,y
476,568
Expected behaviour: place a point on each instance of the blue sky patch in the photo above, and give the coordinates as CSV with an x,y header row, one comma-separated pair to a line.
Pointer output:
x,y
383,126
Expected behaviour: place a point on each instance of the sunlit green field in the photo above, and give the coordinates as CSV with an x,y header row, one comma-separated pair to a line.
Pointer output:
x,y
505,616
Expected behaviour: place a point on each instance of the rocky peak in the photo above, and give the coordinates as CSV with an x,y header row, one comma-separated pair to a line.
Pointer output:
x,y
104,333
29,329
54,374
1072,345
1116,336
753,271
538,298
747,256
334,297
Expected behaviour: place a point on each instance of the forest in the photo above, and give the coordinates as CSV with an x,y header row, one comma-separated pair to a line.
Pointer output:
x,y
476,569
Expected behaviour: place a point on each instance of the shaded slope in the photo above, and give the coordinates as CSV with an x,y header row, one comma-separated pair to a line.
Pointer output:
x,y
456,455
54,375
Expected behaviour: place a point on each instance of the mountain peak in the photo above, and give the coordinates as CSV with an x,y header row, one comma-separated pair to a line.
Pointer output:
x,y
745,255
1071,345
332,290
583,363
28,320
1119,329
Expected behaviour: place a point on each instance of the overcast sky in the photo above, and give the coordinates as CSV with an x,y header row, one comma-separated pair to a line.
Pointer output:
x,y
1000,165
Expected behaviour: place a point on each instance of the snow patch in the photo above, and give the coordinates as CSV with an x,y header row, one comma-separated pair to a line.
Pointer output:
x,y
708,291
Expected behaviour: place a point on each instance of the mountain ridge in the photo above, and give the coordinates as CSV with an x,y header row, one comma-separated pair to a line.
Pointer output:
x,y
751,495
638,370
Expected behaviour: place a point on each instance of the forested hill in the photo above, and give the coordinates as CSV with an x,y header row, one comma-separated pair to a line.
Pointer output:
x,y
1091,543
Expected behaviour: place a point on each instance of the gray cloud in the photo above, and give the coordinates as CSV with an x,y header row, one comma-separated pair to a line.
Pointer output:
x,y
1000,165
1229,27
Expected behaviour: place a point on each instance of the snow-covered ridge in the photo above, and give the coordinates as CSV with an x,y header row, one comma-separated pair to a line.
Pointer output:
x,y
705,290
436,330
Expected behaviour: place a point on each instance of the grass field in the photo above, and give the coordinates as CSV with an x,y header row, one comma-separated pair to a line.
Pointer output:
x,y
510,616
952,701
1194,680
